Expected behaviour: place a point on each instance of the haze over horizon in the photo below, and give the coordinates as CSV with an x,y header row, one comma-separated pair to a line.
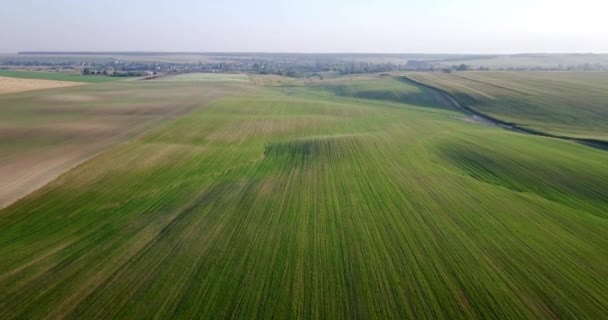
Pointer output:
x,y
341,26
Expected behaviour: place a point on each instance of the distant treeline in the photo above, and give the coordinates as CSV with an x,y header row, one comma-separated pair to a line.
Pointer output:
x,y
115,73
291,65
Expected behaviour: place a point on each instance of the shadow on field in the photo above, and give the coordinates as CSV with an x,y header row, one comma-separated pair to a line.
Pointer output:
x,y
550,179
408,94
310,150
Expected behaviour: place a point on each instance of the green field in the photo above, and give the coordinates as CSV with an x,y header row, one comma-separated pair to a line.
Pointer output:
x,y
387,89
560,103
366,198
58,76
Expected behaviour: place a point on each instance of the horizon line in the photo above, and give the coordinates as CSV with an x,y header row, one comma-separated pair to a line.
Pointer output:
x,y
141,52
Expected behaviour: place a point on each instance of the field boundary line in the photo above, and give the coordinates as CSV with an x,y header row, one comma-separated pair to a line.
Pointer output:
x,y
594,143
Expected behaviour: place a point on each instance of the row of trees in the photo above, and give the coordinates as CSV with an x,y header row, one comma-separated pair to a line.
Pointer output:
x,y
298,70
115,73
88,71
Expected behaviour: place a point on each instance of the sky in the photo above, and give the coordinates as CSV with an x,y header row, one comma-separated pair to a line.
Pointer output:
x,y
327,26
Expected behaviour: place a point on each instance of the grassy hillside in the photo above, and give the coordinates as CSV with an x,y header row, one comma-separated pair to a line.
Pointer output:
x,y
58,76
295,203
561,103
387,89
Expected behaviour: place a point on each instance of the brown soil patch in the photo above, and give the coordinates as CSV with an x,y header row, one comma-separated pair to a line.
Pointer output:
x,y
35,170
9,85
70,98
46,133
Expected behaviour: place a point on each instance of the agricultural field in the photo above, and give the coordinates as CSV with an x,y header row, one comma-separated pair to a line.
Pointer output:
x,y
566,104
354,197
532,61
57,76
44,133
10,85
386,89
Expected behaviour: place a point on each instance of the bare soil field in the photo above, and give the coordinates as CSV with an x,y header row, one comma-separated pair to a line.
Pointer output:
x,y
9,85
47,133
70,143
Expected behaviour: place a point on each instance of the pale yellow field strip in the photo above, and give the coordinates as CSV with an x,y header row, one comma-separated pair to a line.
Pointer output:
x,y
9,85
453,84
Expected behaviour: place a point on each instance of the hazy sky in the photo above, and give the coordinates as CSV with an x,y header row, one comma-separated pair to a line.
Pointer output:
x,y
433,26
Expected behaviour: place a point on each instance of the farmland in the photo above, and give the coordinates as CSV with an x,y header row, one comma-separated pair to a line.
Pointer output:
x,y
56,76
567,104
45,133
10,85
220,196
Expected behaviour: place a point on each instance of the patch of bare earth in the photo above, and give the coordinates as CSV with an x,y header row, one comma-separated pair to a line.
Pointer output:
x,y
69,144
44,134
24,172
10,85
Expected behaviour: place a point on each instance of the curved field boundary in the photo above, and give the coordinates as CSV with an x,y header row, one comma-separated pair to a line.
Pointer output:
x,y
598,144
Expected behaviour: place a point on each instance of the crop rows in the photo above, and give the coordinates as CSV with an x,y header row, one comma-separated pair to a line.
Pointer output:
x,y
295,203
